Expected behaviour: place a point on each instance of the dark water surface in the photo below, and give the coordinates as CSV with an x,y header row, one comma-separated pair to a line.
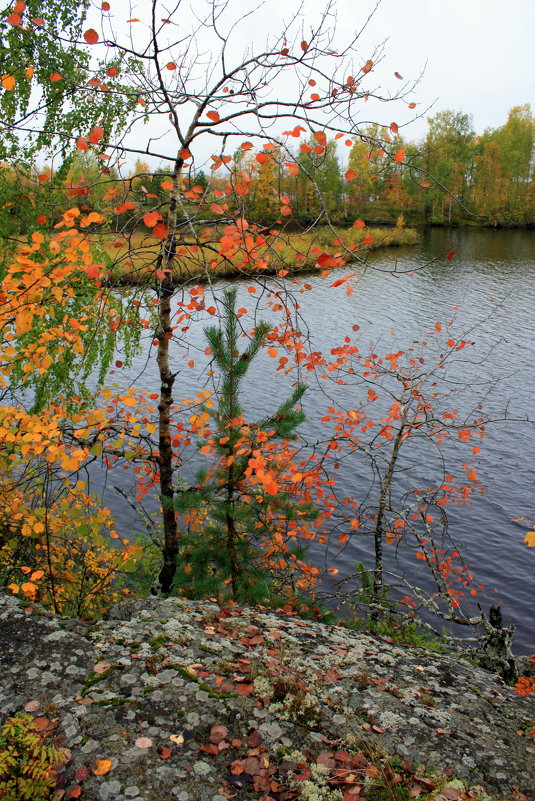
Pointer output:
x,y
488,290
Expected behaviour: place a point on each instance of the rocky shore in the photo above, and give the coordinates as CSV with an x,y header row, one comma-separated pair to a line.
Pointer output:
x,y
174,699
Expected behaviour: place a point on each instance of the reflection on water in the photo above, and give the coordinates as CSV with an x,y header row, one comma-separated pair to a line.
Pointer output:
x,y
487,289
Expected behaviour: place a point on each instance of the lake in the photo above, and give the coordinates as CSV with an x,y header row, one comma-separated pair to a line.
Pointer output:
x,y
488,290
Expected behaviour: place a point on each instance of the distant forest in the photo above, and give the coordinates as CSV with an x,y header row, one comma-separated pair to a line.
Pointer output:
x,y
454,176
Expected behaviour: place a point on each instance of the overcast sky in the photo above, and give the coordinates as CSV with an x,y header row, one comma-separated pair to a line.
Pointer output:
x,y
476,56
480,54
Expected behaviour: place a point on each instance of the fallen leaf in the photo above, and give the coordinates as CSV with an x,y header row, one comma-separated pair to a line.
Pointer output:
x,y
143,742
101,667
99,767
32,706
164,752
218,733
178,739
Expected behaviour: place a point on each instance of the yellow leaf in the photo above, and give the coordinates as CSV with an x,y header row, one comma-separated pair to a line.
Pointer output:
x,y
529,539
128,400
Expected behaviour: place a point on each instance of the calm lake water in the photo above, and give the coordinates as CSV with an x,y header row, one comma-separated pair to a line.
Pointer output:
x,y
488,290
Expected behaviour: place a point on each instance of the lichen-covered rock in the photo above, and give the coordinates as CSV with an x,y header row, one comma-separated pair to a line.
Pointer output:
x,y
173,699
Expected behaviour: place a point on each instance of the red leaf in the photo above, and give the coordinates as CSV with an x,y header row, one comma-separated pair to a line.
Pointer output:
x,y
368,239
451,254
81,774
372,395
394,127
160,230
41,219
350,175
170,66
213,115
324,260
151,218
105,6
81,143
262,158
398,76
304,46
341,281
304,148
14,20
97,133
91,36
359,224
164,752
112,72
400,155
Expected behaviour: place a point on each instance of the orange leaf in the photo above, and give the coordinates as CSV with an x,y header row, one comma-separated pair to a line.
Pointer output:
x,y
359,224
394,127
293,168
81,143
262,158
246,146
125,207
170,66
367,67
151,218
412,105
213,115
320,137
304,148
368,239
56,77
166,185
160,230
400,155
91,36
105,6
350,175
100,767
14,20
304,46
8,82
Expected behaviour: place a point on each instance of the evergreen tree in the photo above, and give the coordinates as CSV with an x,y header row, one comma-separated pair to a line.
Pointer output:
x,y
240,512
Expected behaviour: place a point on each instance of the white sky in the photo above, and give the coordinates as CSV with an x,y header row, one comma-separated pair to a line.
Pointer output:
x,y
476,55
480,54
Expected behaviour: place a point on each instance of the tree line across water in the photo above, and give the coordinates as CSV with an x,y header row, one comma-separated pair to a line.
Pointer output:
x,y
453,176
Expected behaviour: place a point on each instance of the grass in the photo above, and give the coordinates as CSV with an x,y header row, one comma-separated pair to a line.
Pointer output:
x,y
134,259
